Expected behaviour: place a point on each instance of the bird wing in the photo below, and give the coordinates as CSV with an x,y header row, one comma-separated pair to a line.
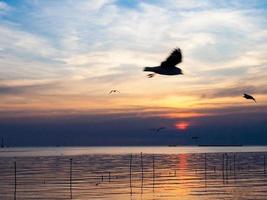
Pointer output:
x,y
251,97
247,96
173,59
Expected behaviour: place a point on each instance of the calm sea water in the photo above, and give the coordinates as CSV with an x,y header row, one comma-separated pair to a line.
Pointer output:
x,y
123,173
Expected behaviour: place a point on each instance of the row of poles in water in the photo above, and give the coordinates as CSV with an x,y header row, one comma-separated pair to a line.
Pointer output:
x,y
225,166
142,172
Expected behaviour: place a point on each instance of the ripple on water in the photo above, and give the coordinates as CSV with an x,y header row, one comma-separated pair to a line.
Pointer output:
x,y
104,176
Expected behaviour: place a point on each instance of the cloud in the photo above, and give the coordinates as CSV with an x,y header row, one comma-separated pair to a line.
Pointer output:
x,y
23,43
38,87
188,4
4,8
92,47
237,90
59,60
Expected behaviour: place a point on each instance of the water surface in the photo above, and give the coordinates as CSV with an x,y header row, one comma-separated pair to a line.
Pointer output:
x,y
124,173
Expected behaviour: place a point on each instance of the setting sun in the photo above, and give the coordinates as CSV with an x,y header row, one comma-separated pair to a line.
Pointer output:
x,y
182,125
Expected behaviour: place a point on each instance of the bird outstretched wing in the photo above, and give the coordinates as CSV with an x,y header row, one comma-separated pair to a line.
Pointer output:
x,y
247,96
174,59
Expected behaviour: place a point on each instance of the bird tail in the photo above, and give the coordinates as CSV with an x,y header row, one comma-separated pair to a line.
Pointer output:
x,y
148,69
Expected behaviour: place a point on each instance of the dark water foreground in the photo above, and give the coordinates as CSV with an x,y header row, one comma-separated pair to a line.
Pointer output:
x,y
124,173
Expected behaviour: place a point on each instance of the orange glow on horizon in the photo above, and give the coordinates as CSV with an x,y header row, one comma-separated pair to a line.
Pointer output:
x,y
182,125
183,115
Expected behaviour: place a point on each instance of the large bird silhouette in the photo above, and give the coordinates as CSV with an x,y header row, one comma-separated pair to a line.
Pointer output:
x,y
167,67
247,96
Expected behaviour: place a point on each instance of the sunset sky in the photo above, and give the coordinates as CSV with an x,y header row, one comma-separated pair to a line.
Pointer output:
x,y
60,59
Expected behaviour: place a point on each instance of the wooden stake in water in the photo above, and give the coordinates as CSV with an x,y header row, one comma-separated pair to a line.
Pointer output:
x,y
130,172
223,167
264,164
71,178
153,163
109,177
15,180
226,167
205,155
230,163
234,164
226,162
142,167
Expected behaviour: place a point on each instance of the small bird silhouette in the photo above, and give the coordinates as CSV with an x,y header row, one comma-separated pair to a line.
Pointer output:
x,y
167,67
114,91
150,75
247,96
156,130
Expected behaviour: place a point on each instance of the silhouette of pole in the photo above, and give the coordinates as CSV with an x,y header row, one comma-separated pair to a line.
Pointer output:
x,y
130,172
109,177
15,180
230,163
142,180
153,163
226,167
264,164
142,167
71,178
205,166
223,167
226,162
234,164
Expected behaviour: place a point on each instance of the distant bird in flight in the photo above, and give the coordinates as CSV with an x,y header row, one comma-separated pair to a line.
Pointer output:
x,y
247,96
114,91
156,130
150,75
167,67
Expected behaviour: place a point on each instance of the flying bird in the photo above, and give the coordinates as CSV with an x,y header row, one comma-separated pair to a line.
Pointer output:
x,y
156,130
168,67
114,91
247,96
150,75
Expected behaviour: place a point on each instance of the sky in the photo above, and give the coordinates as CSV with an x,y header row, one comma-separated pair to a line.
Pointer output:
x,y
60,59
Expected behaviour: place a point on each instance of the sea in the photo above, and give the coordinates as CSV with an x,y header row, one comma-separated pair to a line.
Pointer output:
x,y
134,173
